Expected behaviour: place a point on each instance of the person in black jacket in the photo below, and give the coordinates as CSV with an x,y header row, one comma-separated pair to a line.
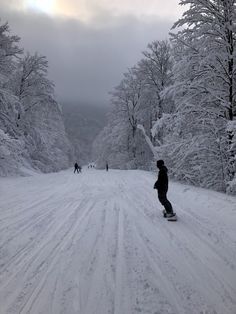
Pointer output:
x,y
76,168
162,187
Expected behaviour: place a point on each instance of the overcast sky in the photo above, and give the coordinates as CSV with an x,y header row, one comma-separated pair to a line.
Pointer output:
x,y
89,43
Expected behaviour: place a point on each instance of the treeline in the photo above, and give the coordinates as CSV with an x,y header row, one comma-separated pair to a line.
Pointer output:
x,y
178,102
32,133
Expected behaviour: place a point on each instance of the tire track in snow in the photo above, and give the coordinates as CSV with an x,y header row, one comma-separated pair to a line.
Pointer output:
x,y
37,263
122,294
215,279
112,252
56,253
35,228
32,240
150,291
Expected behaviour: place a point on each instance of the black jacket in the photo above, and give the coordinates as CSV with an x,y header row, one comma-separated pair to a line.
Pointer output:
x,y
162,182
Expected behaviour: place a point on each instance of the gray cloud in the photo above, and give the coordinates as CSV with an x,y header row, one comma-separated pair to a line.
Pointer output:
x,y
86,60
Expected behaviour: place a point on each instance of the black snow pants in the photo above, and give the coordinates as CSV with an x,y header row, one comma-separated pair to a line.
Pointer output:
x,y
164,201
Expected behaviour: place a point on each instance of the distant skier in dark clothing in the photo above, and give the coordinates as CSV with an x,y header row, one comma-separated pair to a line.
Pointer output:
x,y
162,187
76,168
107,166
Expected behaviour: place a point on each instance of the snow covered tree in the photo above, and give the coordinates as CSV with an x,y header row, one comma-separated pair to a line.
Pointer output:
x,y
9,105
126,97
9,50
112,143
156,71
204,70
32,133
41,117
156,68
32,85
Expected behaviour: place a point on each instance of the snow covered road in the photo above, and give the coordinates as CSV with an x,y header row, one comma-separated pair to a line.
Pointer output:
x,y
96,243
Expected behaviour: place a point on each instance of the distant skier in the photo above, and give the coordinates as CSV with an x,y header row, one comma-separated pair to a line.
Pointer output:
x,y
161,185
76,166
106,166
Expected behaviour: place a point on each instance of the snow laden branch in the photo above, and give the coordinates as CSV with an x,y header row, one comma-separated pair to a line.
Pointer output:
x,y
149,142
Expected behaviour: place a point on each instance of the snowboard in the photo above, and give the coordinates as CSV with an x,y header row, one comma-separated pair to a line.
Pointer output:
x,y
173,218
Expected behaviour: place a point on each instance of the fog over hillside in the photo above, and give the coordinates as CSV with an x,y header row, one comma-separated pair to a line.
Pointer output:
x,y
83,123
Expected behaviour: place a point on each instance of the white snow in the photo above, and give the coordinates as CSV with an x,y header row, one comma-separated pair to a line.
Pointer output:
x,y
96,243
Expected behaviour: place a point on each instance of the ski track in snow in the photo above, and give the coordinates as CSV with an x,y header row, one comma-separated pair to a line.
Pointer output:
x,y
96,243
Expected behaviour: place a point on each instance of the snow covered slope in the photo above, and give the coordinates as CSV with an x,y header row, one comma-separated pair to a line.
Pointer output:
x,y
96,243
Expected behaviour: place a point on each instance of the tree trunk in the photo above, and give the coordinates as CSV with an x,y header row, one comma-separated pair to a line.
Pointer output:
x,y
228,21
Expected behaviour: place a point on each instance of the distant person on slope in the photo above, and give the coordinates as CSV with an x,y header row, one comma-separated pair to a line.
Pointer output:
x,y
76,166
106,166
161,185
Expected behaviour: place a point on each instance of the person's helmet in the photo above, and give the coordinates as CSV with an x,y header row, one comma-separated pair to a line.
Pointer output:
x,y
160,163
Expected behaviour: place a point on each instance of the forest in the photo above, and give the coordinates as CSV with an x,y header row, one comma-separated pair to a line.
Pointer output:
x,y
178,103
32,133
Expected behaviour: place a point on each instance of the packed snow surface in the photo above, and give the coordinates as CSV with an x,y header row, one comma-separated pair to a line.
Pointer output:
x,y
96,243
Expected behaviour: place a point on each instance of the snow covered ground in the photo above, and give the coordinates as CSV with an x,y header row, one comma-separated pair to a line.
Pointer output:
x,y
96,243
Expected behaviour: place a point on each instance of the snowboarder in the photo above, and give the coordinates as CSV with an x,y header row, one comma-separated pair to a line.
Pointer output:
x,y
161,185
106,166
76,168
